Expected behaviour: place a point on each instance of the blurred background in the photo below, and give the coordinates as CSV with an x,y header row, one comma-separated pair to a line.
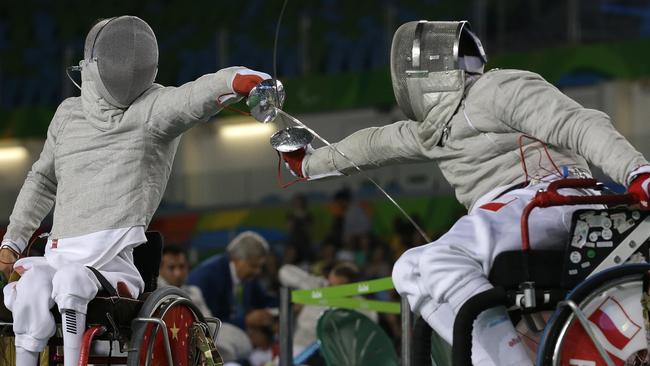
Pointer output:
x,y
333,58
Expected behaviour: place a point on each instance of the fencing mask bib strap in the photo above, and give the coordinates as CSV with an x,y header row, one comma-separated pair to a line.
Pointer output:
x,y
125,52
440,95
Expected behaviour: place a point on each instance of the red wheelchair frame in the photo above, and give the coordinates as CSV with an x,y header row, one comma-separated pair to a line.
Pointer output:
x,y
529,297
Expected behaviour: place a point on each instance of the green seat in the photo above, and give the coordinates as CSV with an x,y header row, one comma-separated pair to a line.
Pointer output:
x,y
349,338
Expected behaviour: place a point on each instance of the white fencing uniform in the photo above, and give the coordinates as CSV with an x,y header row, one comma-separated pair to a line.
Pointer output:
x,y
103,168
439,277
62,278
479,143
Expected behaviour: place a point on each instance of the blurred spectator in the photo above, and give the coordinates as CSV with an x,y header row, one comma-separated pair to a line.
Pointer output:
x,y
174,269
269,277
402,232
405,236
338,207
290,255
307,319
348,218
299,221
233,344
362,249
229,282
327,258
357,222
346,253
380,264
262,338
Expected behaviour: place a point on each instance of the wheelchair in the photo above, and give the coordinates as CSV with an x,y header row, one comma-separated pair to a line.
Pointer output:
x,y
161,327
597,288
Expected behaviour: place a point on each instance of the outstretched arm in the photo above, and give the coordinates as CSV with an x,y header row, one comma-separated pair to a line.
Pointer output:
x,y
368,148
296,277
38,193
175,110
528,103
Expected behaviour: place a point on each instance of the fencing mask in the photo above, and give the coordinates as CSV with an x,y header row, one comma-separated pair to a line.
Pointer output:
x,y
121,54
429,60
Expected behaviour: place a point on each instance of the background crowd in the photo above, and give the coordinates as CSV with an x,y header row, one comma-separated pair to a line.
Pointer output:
x,y
241,285
333,58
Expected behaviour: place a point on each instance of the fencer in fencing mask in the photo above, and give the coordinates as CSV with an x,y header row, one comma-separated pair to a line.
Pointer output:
x,y
121,58
429,63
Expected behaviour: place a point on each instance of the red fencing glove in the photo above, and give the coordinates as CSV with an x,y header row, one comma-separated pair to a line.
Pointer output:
x,y
640,188
245,80
293,160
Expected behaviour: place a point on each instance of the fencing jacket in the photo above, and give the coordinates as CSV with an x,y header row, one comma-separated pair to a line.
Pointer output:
x,y
480,149
103,167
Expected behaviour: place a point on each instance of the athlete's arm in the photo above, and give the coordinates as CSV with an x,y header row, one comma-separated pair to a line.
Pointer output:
x,y
368,148
528,103
174,110
37,195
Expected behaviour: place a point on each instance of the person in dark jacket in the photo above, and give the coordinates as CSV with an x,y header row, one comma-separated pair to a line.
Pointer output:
x,y
229,282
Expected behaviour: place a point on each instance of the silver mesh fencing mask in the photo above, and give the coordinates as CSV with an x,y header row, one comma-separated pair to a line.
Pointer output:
x,y
438,51
122,53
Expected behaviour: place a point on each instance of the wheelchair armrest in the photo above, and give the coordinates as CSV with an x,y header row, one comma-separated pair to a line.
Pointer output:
x,y
464,323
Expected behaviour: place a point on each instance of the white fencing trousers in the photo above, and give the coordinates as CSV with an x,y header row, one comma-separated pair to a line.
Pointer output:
x,y
70,287
439,277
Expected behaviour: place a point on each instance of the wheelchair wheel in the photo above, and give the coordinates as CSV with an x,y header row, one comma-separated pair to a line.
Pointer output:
x,y
611,301
147,345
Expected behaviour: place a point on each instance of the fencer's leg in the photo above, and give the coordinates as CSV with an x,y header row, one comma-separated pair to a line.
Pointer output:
x,y
442,321
497,337
488,331
406,275
25,357
440,317
491,325
73,326
73,288
455,268
30,302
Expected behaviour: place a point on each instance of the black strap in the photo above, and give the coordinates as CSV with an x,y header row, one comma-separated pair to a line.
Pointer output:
x,y
104,282
511,188
461,349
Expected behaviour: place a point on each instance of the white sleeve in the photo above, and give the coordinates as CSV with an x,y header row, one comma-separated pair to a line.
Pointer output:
x,y
368,148
528,103
175,110
295,277
38,193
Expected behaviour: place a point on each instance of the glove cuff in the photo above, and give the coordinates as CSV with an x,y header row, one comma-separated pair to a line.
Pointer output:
x,y
6,243
643,169
247,79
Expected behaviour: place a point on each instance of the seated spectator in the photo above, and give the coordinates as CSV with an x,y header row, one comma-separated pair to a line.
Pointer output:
x,y
379,265
229,281
233,345
174,269
264,347
306,321
299,222
326,260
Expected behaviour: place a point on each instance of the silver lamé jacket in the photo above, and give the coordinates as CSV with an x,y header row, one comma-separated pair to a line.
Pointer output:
x,y
480,149
105,168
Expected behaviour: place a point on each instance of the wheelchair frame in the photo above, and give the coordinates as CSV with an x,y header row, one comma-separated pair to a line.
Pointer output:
x,y
144,328
529,297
